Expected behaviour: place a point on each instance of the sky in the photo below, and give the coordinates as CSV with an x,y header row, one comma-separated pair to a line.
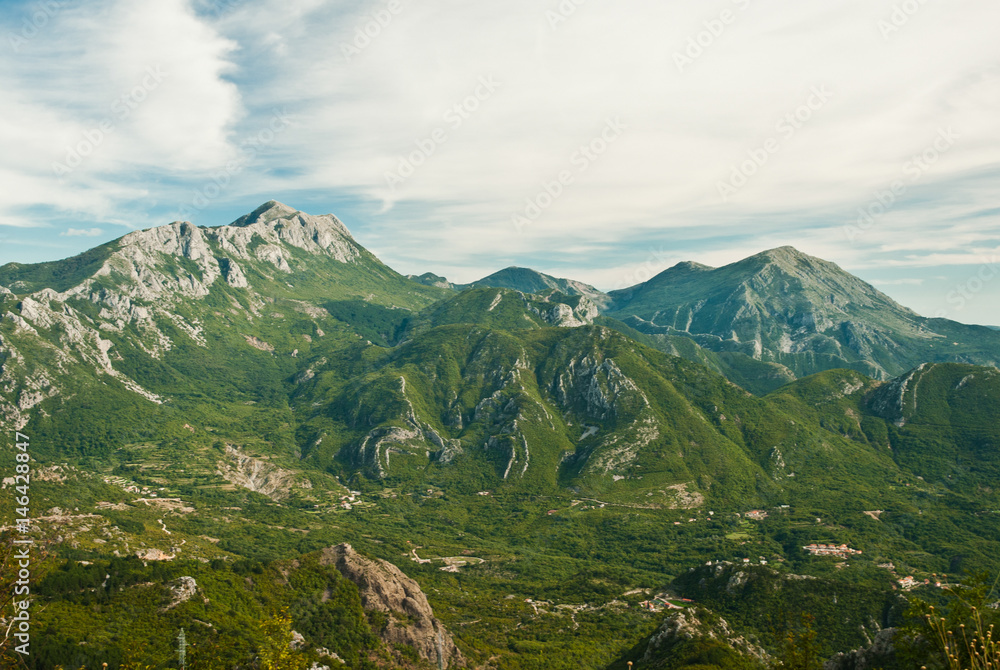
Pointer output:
x,y
601,140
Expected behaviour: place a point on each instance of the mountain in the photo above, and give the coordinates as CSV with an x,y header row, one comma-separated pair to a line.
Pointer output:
x,y
431,279
531,281
806,314
347,609
223,403
161,297
768,319
524,280
384,588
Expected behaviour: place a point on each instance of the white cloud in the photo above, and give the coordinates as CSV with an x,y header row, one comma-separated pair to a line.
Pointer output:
x,y
87,232
111,92
656,185
686,131
906,281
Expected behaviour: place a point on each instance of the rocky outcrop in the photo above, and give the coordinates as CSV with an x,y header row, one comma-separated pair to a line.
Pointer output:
x,y
695,623
182,590
153,554
564,315
896,401
881,654
255,474
413,437
258,343
384,588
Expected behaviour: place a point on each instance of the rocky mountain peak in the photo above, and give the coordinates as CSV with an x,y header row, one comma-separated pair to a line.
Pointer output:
x,y
782,306
384,588
527,280
791,261
785,254
269,211
267,235
691,266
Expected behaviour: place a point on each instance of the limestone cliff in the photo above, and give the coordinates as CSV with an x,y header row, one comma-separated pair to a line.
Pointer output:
x,y
384,588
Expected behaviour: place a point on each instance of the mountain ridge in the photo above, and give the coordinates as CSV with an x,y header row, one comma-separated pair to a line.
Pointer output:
x,y
525,280
567,464
796,310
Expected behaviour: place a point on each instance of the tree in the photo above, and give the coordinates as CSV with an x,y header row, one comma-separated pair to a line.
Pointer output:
x,y
276,650
799,649
958,635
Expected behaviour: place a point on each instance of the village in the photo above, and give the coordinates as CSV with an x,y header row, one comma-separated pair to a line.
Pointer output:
x,y
131,487
348,500
909,582
838,550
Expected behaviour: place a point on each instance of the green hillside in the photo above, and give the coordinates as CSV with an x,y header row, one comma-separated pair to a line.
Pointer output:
x,y
238,398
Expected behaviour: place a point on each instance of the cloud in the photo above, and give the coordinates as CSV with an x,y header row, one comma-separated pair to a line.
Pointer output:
x,y
365,116
111,99
376,88
76,232
906,281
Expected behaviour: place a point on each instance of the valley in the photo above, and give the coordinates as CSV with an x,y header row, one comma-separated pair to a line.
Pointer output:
x,y
539,458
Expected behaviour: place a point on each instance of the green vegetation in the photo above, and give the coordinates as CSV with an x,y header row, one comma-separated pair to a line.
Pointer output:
x,y
237,614
538,482
797,312
57,275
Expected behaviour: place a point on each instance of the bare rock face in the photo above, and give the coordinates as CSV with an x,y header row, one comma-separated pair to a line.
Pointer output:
x,y
881,654
182,590
567,316
255,474
153,554
691,624
384,588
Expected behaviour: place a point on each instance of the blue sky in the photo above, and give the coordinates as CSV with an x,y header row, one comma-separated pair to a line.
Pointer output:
x,y
599,140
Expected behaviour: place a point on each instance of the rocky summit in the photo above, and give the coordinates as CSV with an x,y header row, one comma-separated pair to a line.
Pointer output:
x,y
803,313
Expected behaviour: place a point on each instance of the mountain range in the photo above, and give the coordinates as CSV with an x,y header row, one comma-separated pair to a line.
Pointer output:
x,y
773,317
540,456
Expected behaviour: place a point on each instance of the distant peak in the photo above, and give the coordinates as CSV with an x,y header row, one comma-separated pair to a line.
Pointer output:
x,y
691,265
783,253
274,204
514,269
269,211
